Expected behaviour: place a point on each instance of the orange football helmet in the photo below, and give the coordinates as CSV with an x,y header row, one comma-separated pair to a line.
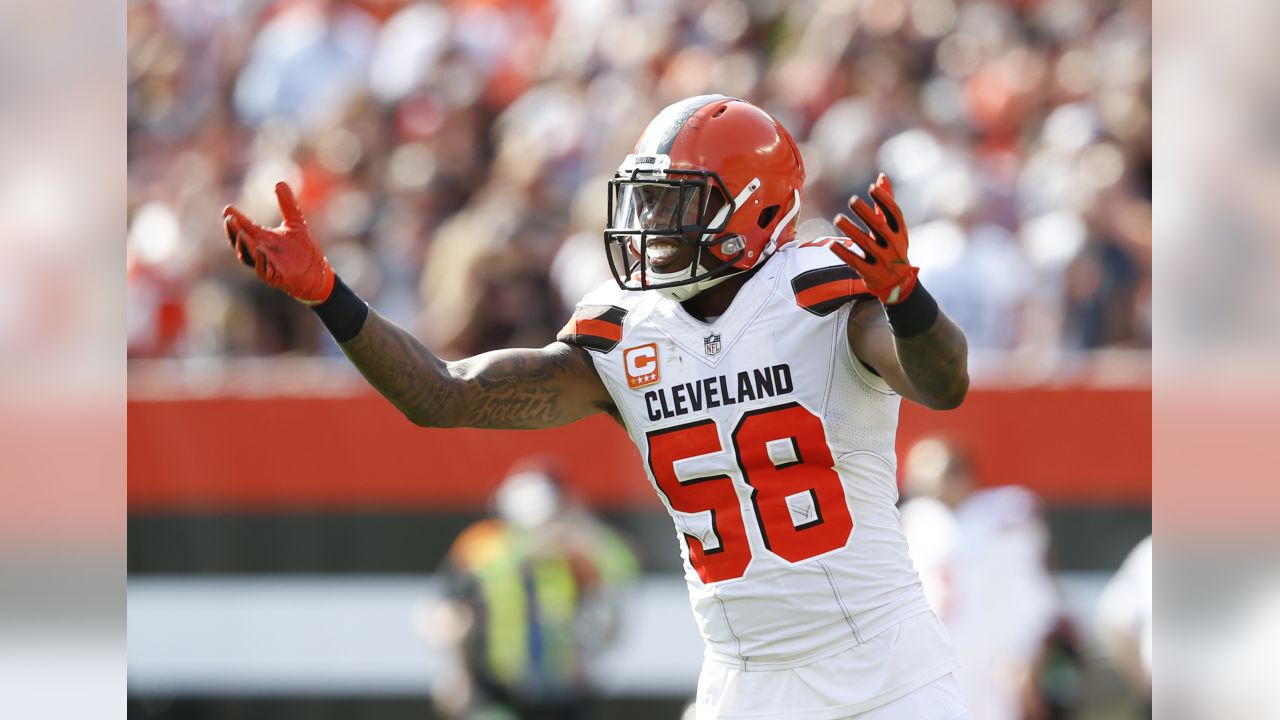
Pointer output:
x,y
710,170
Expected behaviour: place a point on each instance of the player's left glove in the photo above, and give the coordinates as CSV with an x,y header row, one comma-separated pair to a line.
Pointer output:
x,y
883,263
285,257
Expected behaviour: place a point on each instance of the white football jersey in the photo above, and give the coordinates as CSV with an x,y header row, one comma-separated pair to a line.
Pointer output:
x,y
772,448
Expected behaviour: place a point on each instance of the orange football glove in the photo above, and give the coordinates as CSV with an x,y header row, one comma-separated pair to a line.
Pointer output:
x,y
286,257
883,263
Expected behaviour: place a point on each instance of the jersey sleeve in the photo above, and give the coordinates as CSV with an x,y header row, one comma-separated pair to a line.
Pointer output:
x,y
594,327
820,282
597,321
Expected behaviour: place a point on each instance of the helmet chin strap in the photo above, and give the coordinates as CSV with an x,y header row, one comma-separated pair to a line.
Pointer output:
x,y
680,293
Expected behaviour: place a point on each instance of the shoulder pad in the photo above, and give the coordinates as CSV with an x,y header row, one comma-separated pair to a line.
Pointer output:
x,y
820,282
596,323
594,327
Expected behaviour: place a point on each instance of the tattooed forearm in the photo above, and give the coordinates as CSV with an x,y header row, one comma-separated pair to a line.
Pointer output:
x,y
930,368
400,367
936,363
512,408
521,388
517,389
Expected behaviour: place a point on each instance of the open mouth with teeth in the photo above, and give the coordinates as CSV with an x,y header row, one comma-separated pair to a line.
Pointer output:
x,y
665,255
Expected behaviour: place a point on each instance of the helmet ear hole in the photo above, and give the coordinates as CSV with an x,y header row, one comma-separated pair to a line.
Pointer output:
x,y
767,215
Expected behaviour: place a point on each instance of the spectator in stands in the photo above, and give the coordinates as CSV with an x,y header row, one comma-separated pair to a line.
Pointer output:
x,y
401,123
533,598
306,63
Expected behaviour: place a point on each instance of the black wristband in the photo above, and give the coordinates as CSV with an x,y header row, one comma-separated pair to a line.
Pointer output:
x,y
914,315
343,313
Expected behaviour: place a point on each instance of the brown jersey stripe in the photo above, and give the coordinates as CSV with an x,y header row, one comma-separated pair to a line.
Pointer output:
x,y
820,276
830,291
824,290
611,313
595,327
590,342
825,298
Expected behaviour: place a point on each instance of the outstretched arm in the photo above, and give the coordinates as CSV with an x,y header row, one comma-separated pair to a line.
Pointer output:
x,y
905,337
515,389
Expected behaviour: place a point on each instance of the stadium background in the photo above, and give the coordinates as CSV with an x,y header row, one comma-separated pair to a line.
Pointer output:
x,y
283,520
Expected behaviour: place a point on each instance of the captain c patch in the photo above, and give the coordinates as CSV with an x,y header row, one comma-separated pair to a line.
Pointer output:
x,y
641,364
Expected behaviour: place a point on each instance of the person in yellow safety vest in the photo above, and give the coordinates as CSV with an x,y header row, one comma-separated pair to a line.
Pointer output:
x,y
532,599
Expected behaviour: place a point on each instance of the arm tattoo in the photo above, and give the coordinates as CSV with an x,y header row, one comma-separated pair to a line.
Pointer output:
x,y
400,367
518,389
936,363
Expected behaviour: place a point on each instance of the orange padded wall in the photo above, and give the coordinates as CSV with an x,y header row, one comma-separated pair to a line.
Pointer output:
x,y
1074,445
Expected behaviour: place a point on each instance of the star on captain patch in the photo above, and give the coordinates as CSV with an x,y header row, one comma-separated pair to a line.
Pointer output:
x,y
711,344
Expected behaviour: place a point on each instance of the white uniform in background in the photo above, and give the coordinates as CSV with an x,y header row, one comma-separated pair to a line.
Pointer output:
x,y
983,569
1124,609
772,448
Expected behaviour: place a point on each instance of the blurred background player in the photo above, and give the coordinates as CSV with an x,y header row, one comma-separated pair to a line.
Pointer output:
x,y
981,555
1125,623
532,599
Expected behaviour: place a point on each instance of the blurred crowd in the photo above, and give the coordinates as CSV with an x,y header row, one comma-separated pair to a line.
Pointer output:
x,y
452,156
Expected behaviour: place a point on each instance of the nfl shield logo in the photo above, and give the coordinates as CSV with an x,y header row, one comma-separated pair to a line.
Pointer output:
x,y
711,344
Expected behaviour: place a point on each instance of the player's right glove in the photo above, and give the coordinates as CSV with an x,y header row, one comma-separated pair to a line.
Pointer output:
x,y
285,257
883,263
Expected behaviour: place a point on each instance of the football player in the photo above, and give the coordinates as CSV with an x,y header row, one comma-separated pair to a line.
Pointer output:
x,y
760,379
